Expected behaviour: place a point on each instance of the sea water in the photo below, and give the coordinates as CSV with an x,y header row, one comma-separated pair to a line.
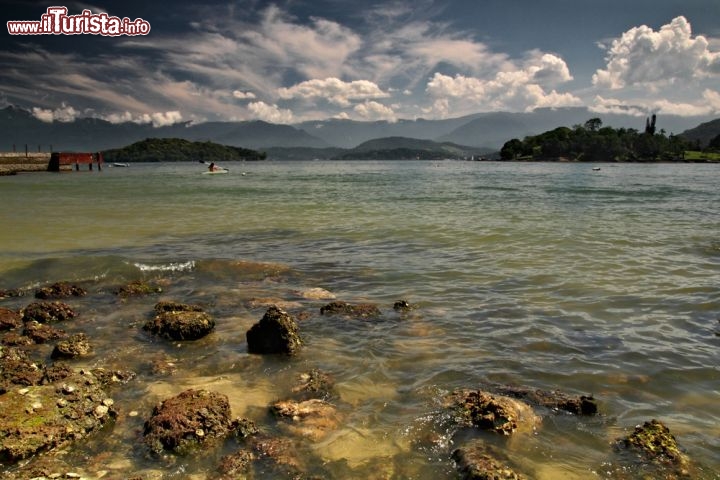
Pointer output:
x,y
542,275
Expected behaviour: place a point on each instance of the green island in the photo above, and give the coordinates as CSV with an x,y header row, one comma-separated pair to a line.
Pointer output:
x,y
591,142
179,150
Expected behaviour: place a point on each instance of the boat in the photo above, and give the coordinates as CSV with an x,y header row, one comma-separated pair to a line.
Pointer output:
x,y
596,169
118,164
216,172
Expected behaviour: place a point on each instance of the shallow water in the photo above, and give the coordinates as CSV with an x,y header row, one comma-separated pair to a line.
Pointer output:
x,y
551,276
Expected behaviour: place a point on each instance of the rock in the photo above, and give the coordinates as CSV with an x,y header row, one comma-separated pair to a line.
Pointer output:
x,y
579,405
477,461
496,413
76,345
182,324
9,319
314,384
402,306
362,310
235,465
169,306
312,419
316,294
137,288
42,333
46,312
270,301
280,455
276,332
59,290
660,454
188,420
13,339
10,293
17,369
50,416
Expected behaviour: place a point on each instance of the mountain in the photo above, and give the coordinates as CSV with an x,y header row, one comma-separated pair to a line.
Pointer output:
x,y
703,133
19,128
179,150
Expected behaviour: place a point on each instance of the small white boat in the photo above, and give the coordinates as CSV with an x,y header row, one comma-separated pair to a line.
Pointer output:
x,y
118,164
596,169
216,172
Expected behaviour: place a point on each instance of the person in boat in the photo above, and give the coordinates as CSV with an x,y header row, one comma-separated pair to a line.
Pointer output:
x,y
212,167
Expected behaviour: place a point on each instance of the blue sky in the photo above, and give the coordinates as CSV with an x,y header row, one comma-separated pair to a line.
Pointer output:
x,y
290,61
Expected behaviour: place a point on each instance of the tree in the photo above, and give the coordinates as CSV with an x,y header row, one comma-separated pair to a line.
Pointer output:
x,y
593,124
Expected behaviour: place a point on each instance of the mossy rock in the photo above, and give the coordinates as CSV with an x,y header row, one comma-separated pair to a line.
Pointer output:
x,y
47,312
59,290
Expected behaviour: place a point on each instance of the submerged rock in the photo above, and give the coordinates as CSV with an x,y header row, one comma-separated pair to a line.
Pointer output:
x,y
9,319
235,465
496,413
178,321
276,332
312,419
362,310
402,306
314,384
76,345
41,418
579,405
59,290
137,288
315,294
188,420
477,461
47,312
10,293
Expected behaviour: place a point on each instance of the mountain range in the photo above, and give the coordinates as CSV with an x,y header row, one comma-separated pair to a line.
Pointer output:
x,y
20,129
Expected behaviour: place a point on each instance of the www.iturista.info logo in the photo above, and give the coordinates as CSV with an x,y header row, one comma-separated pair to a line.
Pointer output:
x,y
57,22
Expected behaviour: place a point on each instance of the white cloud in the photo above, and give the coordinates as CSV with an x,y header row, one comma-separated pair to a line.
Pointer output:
x,y
65,113
158,119
243,95
516,87
616,106
371,110
709,105
270,113
334,90
644,56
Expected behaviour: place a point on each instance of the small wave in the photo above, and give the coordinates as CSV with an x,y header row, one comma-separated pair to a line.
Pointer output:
x,y
166,267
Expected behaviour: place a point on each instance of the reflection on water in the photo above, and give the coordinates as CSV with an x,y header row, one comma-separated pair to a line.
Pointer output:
x,y
541,275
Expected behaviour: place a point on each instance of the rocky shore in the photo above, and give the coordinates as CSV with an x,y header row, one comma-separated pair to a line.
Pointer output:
x,y
50,407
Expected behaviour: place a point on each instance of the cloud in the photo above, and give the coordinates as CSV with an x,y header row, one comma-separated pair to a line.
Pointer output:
x,y
644,56
709,105
334,90
158,119
243,95
371,110
518,86
270,113
65,113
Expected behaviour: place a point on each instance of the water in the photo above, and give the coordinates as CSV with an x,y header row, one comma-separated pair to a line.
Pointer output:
x,y
550,276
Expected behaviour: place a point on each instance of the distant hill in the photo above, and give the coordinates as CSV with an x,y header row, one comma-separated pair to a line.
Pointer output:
x,y
703,133
179,150
403,148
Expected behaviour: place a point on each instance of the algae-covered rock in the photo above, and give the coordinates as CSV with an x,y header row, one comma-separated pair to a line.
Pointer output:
x,y
187,421
76,345
655,453
137,288
42,332
41,418
495,413
477,461
312,419
11,293
361,310
16,369
170,306
9,319
276,332
59,290
47,312
314,384
187,324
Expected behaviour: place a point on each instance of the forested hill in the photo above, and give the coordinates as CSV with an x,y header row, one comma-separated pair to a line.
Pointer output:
x,y
179,150
591,142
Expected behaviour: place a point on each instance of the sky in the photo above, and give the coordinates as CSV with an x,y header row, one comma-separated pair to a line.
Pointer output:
x,y
298,60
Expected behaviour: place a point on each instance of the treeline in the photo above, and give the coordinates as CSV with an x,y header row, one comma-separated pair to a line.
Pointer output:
x,y
592,142
179,150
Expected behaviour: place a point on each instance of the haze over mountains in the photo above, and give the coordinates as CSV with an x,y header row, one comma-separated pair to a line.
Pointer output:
x,y
485,131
